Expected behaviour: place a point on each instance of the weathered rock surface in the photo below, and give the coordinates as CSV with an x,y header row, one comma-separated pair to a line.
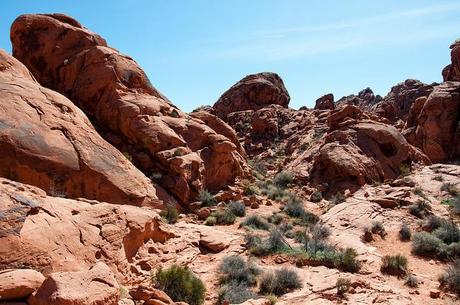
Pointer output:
x,y
117,95
52,234
452,71
433,123
397,103
364,100
48,142
96,286
18,284
325,102
253,92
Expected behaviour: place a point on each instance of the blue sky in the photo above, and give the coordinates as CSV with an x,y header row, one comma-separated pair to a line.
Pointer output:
x,y
194,50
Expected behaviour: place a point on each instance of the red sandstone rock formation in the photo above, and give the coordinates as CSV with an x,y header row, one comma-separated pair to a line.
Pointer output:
x,y
253,92
117,95
45,140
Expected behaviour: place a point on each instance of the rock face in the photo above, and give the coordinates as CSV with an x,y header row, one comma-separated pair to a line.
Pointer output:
x,y
96,286
18,284
434,123
452,71
365,99
48,142
396,105
117,95
325,102
253,92
52,234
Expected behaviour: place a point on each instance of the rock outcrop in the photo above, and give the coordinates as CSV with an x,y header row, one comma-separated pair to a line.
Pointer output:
x,y
253,92
129,112
452,71
19,284
433,123
95,286
365,99
325,102
51,234
46,141
397,103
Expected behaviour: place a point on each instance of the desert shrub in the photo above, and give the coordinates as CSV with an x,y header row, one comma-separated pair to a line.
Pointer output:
x,y
180,284
260,168
433,222
273,243
438,177
272,299
289,234
338,198
347,261
294,208
279,282
178,152
411,281
426,244
128,156
252,240
237,208
282,179
234,294
206,198
285,227
275,218
320,231
404,170
367,234
394,264
453,250
256,222
273,192
450,279
378,228
155,176
419,209
448,232
224,217
450,188
343,286
404,232
419,192
234,269
301,236
316,196
456,205
249,189
170,214
210,221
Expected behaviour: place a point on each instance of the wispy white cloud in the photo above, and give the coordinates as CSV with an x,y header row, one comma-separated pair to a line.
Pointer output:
x,y
386,29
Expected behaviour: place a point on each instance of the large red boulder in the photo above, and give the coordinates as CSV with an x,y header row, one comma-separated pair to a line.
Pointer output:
x,y
117,95
45,140
96,286
326,102
452,71
435,121
51,234
253,92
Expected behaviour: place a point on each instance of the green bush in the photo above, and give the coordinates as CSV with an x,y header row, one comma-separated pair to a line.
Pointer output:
x,y
256,222
279,282
316,196
394,264
347,261
249,189
420,209
285,227
180,284
411,281
282,179
238,208
448,232
404,232
450,279
294,208
426,244
438,178
210,221
224,217
433,222
234,294
170,214
234,269
338,198
273,192
343,286
378,228
206,198
275,218
320,232
450,188
252,240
